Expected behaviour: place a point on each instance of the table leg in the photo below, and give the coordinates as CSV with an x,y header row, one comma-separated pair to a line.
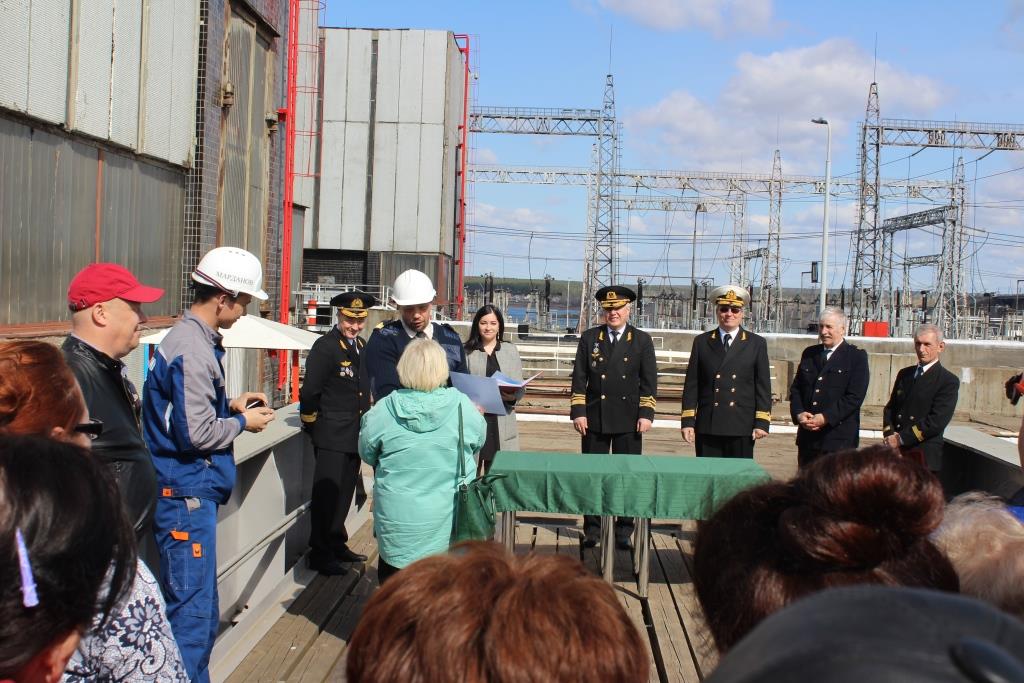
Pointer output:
x,y
608,548
508,530
643,554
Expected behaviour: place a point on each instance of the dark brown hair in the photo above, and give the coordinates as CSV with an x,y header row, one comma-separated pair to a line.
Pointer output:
x,y
37,389
80,545
481,615
850,518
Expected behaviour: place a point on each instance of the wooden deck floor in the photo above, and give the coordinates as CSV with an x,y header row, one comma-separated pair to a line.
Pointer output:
x,y
308,643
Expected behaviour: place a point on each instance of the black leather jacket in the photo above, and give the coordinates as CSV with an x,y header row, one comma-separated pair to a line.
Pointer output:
x,y
111,397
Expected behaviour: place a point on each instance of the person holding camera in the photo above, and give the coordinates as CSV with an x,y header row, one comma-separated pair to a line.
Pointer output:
x,y
335,394
190,425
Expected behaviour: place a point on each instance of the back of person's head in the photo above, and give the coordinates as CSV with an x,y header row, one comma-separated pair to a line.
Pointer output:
x,y
879,634
481,615
63,536
423,365
38,391
851,517
985,543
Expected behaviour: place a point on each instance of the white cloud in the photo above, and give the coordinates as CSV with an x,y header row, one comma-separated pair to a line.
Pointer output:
x,y
484,155
768,102
1012,27
720,17
522,217
636,223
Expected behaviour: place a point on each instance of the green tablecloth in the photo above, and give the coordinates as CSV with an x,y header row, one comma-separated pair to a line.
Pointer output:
x,y
650,486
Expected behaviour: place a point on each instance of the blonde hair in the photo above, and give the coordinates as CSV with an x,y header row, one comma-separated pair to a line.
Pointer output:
x,y
985,543
423,365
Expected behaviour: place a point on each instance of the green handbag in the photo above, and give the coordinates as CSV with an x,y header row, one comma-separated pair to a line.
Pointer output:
x,y
474,502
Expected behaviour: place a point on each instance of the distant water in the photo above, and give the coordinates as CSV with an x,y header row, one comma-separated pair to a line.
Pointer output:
x,y
517,314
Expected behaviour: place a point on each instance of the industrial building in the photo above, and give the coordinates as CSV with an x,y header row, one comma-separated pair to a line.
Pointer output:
x,y
143,133
392,135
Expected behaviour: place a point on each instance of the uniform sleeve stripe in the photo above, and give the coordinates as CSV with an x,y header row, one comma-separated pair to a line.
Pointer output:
x,y
763,415
309,417
917,432
688,413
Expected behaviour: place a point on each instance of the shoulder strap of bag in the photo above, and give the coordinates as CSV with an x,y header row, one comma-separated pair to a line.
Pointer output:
x,y
462,462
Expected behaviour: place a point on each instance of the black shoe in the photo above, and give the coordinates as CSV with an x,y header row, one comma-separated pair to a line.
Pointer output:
x,y
346,554
624,544
331,567
589,540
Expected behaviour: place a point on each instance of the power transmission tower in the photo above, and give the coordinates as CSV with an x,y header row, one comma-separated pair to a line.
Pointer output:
x,y
602,221
767,312
866,248
872,283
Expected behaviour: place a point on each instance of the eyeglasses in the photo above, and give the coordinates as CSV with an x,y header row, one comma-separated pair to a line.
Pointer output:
x,y
730,309
92,429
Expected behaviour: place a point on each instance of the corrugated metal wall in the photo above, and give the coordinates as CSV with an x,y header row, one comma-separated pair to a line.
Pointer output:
x,y
34,69
246,143
111,56
399,166
48,220
169,78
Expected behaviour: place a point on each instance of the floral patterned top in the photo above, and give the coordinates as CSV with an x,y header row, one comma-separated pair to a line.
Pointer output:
x,y
136,644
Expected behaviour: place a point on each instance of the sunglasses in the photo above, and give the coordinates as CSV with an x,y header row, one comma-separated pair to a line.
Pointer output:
x,y
92,429
730,309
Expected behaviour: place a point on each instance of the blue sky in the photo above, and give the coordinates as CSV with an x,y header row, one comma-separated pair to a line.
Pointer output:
x,y
718,85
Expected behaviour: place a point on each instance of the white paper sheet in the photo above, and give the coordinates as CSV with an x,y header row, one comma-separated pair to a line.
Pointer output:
x,y
483,391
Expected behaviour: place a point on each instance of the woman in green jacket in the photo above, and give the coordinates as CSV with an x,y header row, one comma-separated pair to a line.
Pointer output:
x,y
411,439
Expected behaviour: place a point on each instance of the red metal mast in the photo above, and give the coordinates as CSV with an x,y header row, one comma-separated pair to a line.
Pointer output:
x,y
460,227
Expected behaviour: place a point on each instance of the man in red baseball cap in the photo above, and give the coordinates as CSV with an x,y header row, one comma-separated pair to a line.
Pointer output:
x,y
106,319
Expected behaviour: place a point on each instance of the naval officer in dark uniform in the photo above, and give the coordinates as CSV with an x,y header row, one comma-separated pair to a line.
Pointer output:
x,y
922,401
614,381
727,394
413,294
335,394
828,389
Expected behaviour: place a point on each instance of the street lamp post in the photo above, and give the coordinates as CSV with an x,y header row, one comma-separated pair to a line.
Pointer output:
x,y
824,224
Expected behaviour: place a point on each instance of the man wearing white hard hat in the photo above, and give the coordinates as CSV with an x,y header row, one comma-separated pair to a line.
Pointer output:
x,y
727,394
413,294
190,425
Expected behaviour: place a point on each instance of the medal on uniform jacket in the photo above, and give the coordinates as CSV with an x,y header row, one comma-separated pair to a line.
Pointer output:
x,y
346,368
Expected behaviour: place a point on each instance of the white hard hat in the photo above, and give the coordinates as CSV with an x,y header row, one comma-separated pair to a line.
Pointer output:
x,y
413,287
234,270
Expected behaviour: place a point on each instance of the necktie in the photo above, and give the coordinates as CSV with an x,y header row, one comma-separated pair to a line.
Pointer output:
x,y
919,371
825,354
615,337
355,347
421,335
725,341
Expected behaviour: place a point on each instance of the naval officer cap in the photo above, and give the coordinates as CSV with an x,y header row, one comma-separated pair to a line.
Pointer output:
x,y
730,295
354,304
614,297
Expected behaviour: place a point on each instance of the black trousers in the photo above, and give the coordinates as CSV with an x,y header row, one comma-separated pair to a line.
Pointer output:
x,y
806,454
597,442
385,571
715,446
334,484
